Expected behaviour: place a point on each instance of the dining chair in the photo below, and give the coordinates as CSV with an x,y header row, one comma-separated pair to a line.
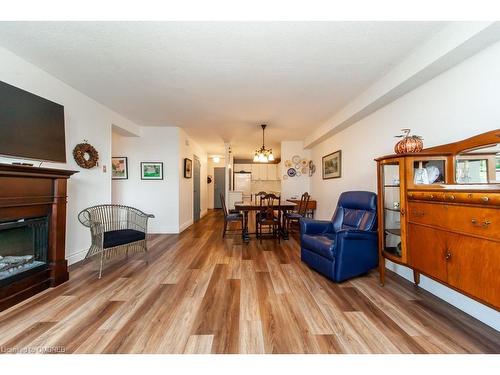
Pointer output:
x,y
259,194
266,216
230,216
301,212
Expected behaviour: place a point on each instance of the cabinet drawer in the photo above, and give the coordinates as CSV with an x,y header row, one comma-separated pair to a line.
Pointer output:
x,y
426,196
479,221
482,198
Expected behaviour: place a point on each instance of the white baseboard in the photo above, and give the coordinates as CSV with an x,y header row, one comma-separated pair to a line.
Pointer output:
x,y
479,311
186,225
76,256
163,230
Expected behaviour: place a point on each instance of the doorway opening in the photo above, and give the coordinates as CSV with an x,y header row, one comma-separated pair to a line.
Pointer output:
x,y
219,185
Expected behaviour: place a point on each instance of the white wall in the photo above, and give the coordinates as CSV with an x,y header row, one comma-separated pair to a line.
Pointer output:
x,y
170,200
85,119
160,198
294,185
459,103
187,149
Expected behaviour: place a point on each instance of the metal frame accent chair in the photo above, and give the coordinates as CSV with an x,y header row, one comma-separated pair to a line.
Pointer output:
x,y
266,216
346,246
295,216
230,216
115,229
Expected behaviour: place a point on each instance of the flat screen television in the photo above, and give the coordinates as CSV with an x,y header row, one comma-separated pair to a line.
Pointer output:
x,y
31,127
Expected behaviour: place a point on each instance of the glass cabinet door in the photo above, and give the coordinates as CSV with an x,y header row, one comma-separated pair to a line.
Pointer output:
x,y
427,171
391,179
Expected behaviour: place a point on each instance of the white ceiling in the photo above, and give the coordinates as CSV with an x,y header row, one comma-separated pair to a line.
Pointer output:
x,y
220,80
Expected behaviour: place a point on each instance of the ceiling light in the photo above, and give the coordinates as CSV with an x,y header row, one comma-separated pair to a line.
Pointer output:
x,y
263,155
216,159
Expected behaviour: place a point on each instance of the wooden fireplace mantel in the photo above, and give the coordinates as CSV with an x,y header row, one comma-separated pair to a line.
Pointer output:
x,y
30,192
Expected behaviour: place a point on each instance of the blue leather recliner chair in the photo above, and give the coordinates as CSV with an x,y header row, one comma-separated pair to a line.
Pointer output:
x,y
346,246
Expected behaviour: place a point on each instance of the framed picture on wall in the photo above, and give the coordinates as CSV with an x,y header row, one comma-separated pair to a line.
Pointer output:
x,y
188,168
332,165
119,168
151,171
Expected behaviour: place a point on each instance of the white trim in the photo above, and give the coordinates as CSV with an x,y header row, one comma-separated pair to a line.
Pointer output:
x,y
163,230
479,311
76,256
186,225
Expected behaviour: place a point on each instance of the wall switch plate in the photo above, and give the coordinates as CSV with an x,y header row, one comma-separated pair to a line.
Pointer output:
x,y
104,169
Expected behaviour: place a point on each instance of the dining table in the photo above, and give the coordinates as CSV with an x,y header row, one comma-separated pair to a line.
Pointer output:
x,y
248,205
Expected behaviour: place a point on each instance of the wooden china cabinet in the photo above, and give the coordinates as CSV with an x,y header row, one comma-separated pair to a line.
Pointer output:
x,y
439,214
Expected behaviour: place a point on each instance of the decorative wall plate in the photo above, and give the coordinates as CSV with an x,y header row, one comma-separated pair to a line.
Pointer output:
x,y
296,159
303,162
312,168
303,170
291,172
298,166
288,163
298,174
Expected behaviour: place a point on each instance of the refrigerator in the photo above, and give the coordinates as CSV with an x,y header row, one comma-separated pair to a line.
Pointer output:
x,y
243,183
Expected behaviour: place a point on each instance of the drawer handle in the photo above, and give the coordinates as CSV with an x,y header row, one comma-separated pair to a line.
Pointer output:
x,y
447,255
431,196
485,199
484,224
452,197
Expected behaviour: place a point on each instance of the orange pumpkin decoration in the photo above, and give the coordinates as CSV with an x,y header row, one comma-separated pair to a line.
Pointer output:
x,y
409,143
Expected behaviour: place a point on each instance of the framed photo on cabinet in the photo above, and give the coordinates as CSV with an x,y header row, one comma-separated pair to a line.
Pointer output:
x,y
332,165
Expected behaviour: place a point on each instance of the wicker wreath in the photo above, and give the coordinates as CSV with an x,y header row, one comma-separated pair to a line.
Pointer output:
x,y
86,156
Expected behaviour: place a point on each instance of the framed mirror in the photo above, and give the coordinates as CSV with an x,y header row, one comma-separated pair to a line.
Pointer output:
x,y
478,166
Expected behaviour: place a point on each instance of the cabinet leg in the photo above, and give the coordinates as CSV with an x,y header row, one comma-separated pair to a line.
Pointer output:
x,y
381,269
416,278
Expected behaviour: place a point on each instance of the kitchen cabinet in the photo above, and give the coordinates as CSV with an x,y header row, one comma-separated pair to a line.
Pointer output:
x,y
243,167
272,173
255,172
261,172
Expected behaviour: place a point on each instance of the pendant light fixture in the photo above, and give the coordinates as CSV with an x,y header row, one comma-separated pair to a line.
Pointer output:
x,y
263,155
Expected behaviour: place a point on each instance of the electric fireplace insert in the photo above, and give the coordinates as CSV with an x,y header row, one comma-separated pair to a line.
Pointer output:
x,y
23,248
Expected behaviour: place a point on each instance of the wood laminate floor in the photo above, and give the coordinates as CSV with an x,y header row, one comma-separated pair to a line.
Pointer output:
x,y
203,294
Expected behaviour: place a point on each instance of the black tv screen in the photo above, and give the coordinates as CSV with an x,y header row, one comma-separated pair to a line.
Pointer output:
x,y
31,127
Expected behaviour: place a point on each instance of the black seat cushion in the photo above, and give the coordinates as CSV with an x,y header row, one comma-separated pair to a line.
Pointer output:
x,y
293,215
260,217
121,237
